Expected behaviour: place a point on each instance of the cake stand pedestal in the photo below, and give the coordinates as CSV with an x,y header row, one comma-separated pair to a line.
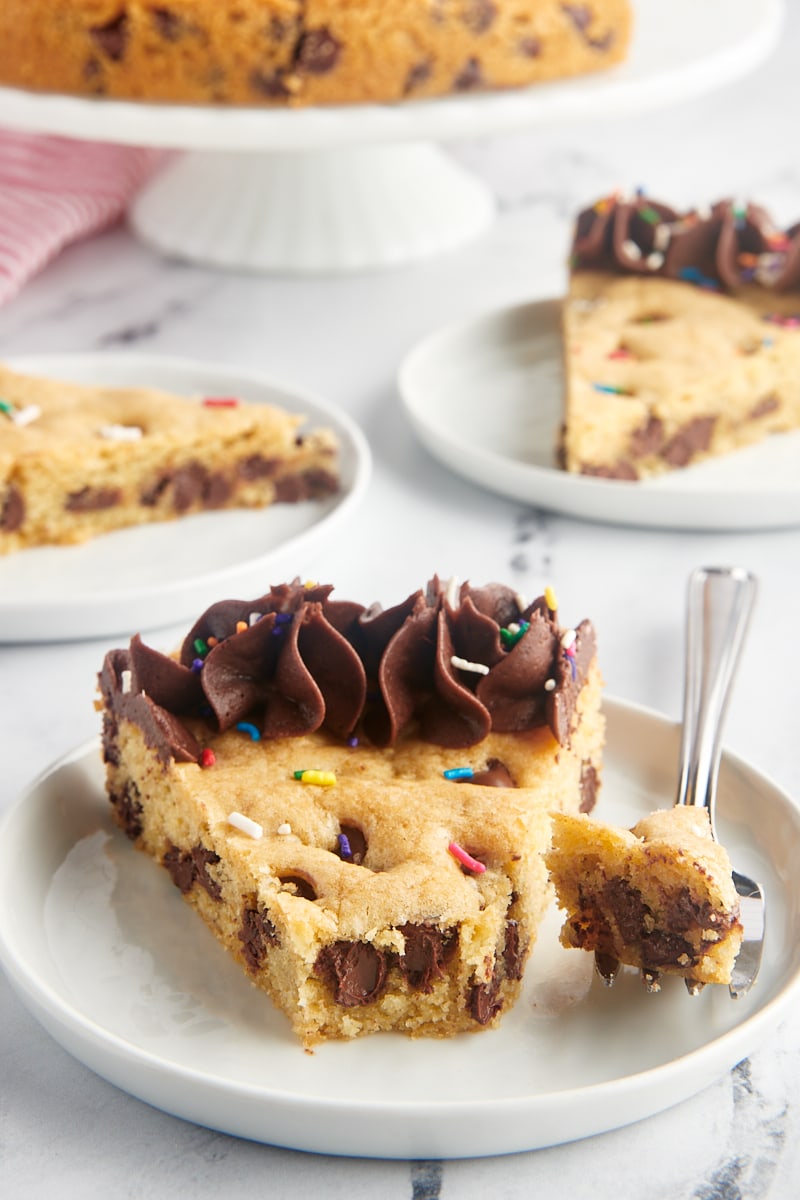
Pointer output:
x,y
348,188
315,211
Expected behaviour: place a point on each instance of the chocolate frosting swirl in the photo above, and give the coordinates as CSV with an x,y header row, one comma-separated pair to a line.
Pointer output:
x,y
449,664
728,246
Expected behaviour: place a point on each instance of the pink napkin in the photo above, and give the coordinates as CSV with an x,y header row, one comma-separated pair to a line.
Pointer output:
x,y
55,190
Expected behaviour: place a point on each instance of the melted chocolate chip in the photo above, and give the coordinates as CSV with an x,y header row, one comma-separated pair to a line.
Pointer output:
x,y
469,77
766,405
496,774
12,513
418,74
257,934
530,47
648,439
620,470
484,1001
299,885
187,867
112,38
272,85
90,499
169,25
257,466
426,954
354,971
579,14
691,439
630,911
128,808
317,52
153,494
189,483
479,15
513,951
589,782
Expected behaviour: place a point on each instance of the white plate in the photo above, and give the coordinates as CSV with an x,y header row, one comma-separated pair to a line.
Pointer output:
x,y
680,50
485,398
162,573
121,972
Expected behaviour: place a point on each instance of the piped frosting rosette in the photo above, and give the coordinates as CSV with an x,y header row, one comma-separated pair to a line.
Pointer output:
x,y
728,246
449,663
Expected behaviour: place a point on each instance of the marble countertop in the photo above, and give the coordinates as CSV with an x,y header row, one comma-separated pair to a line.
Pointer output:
x,y
64,1130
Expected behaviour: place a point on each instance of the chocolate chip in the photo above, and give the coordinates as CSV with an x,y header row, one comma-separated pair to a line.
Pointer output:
x,y
12,513
317,52
588,785
188,485
187,867
513,951
530,47
484,1001
470,76
427,951
257,466
579,14
648,439
299,885
169,25
479,15
256,933
153,494
622,469
418,74
112,38
270,84
355,972
313,484
496,774
90,499
691,439
766,405
217,491
128,808
627,906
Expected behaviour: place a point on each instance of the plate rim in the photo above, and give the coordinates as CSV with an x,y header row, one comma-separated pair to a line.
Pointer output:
x,y
593,499
92,1043
294,398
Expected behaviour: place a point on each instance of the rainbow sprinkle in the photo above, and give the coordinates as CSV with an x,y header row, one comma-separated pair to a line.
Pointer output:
x,y
513,632
344,846
220,402
248,727
456,773
550,599
463,664
321,778
208,758
466,860
612,389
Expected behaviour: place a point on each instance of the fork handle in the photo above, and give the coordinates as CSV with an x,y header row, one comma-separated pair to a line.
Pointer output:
x,y
719,603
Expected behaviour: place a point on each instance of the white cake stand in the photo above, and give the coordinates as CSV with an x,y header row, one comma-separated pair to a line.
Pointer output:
x,y
350,188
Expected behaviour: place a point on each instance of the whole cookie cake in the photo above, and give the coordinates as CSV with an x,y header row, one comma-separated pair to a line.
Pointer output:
x,y
358,800
681,335
301,52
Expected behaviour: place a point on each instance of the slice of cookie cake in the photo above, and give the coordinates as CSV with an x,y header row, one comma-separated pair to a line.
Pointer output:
x,y
357,800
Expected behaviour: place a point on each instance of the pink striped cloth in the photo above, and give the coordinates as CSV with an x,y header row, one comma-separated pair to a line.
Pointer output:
x,y
55,190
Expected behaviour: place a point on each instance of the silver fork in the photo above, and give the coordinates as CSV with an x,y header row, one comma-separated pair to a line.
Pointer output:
x,y
719,603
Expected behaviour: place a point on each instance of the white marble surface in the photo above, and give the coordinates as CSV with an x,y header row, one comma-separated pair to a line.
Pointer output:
x,y
64,1131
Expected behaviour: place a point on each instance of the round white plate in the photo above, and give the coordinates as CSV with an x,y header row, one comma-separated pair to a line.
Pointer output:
x,y
679,50
162,573
485,398
103,951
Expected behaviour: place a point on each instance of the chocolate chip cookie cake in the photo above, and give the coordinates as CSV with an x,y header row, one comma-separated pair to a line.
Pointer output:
x,y
301,52
659,897
357,800
681,335
78,461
